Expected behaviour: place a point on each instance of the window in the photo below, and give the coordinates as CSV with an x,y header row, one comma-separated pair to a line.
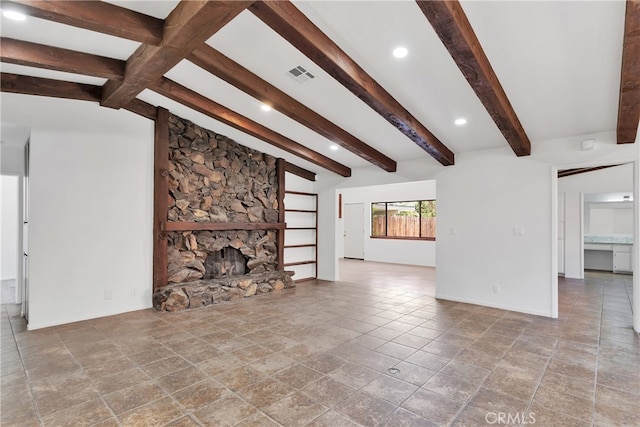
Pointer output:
x,y
404,220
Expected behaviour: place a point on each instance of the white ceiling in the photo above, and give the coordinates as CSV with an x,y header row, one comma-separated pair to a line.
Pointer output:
x,y
558,61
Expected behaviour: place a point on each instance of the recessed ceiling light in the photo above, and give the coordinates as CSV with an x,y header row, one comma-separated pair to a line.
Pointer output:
x,y
265,107
400,52
12,14
334,147
460,121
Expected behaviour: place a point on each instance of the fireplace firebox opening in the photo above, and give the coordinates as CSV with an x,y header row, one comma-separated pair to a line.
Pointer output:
x,y
225,263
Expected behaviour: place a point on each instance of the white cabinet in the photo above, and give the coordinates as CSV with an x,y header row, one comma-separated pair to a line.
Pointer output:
x,y
622,260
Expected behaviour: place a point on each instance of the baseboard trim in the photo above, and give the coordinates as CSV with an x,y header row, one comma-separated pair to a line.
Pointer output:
x,y
498,306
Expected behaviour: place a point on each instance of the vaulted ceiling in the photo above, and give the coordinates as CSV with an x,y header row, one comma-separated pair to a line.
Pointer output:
x,y
518,72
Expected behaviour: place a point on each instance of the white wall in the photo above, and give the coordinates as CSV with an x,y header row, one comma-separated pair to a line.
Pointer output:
x,y
606,219
91,198
12,161
610,180
482,202
9,227
413,252
573,235
327,242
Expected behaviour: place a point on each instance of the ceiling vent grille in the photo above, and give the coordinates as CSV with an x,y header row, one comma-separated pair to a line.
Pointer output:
x,y
300,75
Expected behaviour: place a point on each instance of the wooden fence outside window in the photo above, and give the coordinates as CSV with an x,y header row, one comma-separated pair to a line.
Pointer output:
x,y
403,226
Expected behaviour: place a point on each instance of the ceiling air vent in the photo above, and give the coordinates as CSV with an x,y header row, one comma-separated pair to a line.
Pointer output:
x,y
300,75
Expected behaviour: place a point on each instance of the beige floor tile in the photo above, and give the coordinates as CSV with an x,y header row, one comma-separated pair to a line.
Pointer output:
x,y
295,409
332,419
366,409
354,375
390,389
298,376
328,391
180,379
83,414
200,394
451,386
227,411
265,392
432,406
257,420
324,362
240,377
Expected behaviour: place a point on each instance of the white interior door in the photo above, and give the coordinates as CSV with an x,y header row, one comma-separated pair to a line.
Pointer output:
x,y
354,231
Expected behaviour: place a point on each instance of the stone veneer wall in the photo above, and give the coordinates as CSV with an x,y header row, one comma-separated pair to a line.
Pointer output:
x,y
214,179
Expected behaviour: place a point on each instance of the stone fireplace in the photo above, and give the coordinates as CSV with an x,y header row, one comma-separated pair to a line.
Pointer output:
x,y
222,229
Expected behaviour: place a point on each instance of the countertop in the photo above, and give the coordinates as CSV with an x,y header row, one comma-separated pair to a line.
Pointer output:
x,y
618,240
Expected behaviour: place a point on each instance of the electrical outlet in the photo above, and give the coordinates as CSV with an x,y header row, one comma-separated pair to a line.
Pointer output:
x,y
108,294
453,231
496,289
133,291
518,231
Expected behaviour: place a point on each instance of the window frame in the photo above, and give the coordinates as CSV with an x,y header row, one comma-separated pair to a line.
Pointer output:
x,y
386,221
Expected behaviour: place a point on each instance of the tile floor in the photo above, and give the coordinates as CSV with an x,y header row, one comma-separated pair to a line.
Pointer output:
x,y
8,291
374,349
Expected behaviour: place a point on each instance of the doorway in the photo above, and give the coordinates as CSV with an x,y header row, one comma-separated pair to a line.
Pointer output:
x,y
607,239
354,231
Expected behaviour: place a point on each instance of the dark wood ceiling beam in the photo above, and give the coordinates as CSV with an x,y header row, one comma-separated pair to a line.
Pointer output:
x,y
188,26
233,73
28,85
142,108
301,172
54,58
576,171
629,103
206,106
454,30
284,18
95,16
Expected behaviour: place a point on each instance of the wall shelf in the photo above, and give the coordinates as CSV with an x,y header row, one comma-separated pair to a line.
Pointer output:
x,y
290,264
309,244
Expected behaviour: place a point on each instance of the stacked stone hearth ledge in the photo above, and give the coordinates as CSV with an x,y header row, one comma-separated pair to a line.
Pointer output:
x,y
213,179
201,293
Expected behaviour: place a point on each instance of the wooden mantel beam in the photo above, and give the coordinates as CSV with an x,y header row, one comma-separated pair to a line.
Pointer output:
x,y
206,106
97,16
54,58
454,30
284,18
233,73
629,104
188,26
